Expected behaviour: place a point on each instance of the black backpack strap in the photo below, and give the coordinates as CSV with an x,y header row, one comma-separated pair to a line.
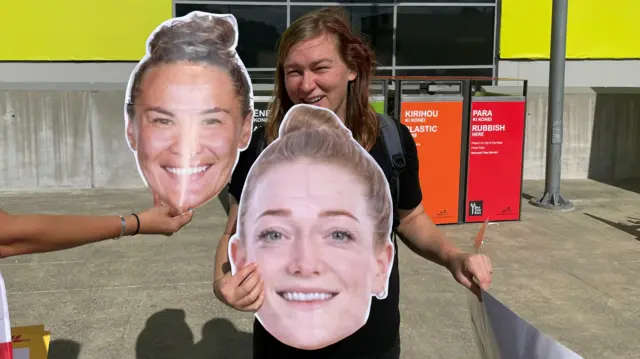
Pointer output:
x,y
395,150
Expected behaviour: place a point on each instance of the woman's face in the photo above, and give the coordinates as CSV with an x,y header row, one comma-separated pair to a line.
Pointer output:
x,y
308,227
315,74
187,132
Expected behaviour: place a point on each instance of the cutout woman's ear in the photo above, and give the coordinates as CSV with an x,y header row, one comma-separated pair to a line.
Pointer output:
x,y
237,254
131,135
246,130
384,261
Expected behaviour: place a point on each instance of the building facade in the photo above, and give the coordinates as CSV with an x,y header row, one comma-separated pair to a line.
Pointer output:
x,y
64,66
430,39
100,41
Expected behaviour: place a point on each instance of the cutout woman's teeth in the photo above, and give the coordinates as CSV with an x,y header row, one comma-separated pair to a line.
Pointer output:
x,y
180,171
306,297
312,100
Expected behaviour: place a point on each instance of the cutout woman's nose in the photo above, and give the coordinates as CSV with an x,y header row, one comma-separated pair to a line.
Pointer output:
x,y
187,142
306,258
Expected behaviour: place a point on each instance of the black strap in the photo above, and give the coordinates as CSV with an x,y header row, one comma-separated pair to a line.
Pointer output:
x,y
393,142
393,145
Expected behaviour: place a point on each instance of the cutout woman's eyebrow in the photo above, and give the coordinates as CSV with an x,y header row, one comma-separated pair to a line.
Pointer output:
x,y
338,213
214,110
159,110
277,212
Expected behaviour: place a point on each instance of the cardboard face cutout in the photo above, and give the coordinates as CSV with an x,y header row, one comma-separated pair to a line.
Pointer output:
x,y
315,215
189,108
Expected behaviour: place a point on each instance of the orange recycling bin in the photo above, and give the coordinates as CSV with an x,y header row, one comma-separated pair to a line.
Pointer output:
x,y
436,126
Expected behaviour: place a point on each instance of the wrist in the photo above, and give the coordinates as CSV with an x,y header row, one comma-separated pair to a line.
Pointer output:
x,y
217,294
132,225
450,257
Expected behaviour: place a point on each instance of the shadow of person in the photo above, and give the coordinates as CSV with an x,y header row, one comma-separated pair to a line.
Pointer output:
x,y
63,349
221,339
632,229
166,335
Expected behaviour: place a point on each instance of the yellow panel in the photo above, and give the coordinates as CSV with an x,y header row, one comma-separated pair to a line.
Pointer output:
x,y
78,30
596,29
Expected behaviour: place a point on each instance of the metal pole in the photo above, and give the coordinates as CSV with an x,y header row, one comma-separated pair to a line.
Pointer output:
x,y
552,199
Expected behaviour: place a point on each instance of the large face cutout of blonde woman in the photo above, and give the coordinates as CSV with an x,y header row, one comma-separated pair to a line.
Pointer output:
x,y
189,109
317,222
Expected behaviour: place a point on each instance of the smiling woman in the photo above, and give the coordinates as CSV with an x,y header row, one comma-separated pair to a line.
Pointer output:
x,y
315,215
189,109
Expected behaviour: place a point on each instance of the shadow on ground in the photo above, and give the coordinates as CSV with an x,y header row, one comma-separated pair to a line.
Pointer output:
x,y
633,227
527,196
166,335
63,349
615,143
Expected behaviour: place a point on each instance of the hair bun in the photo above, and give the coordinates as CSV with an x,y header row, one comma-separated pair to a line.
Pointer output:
x,y
308,117
196,32
223,31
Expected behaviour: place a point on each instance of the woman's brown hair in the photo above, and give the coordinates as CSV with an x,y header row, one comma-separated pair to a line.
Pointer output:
x,y
361,118
199,38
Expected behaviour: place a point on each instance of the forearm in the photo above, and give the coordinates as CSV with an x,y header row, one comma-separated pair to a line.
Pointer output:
x,y
422,236
222,264
22,234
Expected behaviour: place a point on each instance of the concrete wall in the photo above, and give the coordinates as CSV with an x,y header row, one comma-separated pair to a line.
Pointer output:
x,y
69,135
601,134
72,135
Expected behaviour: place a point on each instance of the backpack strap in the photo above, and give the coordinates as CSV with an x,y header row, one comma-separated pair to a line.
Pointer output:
x,y
393,144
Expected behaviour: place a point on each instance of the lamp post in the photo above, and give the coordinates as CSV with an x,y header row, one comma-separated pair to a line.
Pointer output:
x,y
552,199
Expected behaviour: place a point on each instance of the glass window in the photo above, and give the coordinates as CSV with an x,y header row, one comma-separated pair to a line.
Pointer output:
x,y
451,72
374,23
441,36
345,2
262,77
488,72
260,28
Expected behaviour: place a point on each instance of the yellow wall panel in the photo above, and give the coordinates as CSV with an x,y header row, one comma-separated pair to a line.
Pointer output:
x,y
596,29
78,30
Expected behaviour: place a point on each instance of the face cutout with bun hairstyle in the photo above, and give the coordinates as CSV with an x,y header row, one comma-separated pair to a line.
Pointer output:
x,y
315,215
189,108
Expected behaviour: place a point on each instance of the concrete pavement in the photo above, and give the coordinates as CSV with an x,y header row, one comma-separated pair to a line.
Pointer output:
x,y
573,275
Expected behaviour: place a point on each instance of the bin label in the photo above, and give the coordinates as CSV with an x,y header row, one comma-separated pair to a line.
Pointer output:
x,y
494,171
261,114
437,130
